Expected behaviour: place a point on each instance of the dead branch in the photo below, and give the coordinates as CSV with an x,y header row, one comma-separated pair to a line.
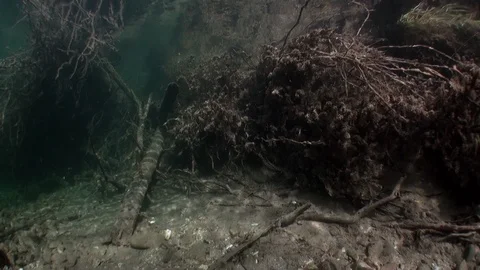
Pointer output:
x,y
359,214
441,227
366,18
420,46
287,140
106,179
364,211
468,236
242,204
299,17
283,221
127,220
110,71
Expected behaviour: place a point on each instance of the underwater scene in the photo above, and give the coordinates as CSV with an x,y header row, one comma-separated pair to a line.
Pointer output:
x,y
240,134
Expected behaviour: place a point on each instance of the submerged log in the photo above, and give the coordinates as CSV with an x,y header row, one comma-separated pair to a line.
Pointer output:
x,y
126,222
132,203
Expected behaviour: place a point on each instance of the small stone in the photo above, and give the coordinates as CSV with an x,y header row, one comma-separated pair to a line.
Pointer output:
x,y
60,248
238,267
339,254
363,266
273,262
167,234
71,260
310,265
53,244
424,267
58,258
390,266
330,264
168,255
198,251
388,250
353,254
47,255
374,250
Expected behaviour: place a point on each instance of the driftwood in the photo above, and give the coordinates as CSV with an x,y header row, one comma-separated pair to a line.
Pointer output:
x,y
280,222
127,220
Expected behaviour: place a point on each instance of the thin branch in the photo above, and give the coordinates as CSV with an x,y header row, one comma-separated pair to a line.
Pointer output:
x,y
366,19
441,227
283,221
293,27
419,46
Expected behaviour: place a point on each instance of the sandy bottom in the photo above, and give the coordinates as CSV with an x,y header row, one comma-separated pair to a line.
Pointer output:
x,y
191,230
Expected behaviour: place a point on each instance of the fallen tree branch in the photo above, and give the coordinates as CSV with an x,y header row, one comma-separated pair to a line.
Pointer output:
x,y
366,18
368,208
280,222
293,27
468,236
242,204
109,70
126,222
106,179
420,46
359,214
441,227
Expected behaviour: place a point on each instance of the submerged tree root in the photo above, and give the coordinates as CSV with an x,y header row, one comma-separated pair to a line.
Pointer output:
x,y
369,208
359,214
441,227
283,221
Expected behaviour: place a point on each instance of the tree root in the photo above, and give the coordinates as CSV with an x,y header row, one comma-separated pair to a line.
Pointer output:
x,y
441,227
242,205
359,214
466,237
369,208
280,222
